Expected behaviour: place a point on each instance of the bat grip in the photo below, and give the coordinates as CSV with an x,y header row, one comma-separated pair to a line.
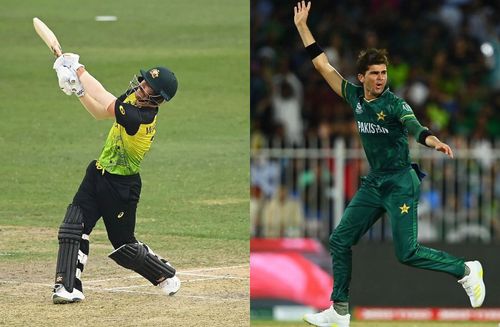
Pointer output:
x,y
57,52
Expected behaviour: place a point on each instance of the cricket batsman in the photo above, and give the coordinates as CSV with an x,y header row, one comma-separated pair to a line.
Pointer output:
x,y
393,184
112,185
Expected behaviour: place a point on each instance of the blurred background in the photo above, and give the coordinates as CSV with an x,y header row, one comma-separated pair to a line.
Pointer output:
x,y
306,159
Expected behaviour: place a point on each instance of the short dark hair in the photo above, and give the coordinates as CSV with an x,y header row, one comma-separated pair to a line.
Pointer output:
x,y
370,57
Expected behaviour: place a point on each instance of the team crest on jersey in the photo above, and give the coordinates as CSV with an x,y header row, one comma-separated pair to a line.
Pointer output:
x,y
154,73
381,115
122,110
359,109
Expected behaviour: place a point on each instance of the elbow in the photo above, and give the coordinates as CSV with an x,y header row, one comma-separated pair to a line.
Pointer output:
x,y
101,115
318,66
322,68
97,115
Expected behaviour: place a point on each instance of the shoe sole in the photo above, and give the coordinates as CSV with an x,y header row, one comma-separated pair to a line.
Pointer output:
x,y
63,300
326,325
307,322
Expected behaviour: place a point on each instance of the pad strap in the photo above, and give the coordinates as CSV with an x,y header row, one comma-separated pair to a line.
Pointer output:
x,y
138,257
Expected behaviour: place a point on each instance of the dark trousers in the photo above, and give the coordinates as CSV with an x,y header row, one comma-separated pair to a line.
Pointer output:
x,y
397,194
112,197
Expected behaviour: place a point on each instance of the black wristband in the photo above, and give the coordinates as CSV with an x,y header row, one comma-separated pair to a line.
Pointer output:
x,y
423,135
314,50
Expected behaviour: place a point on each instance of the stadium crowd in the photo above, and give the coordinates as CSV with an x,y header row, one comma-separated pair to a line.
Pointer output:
x,y
444,59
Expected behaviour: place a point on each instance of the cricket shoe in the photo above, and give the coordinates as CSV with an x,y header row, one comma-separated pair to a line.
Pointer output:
x,y
328,318
170,286
62,296
473,284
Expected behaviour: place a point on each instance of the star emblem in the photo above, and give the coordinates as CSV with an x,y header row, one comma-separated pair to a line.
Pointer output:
x,y
380,116
404,208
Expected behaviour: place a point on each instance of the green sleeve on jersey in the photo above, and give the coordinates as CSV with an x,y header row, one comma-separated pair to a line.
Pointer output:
x,y
344,84
408,119
350,93
414,127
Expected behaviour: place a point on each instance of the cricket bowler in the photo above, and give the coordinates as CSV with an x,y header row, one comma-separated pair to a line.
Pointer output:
x,y
112,185
393,183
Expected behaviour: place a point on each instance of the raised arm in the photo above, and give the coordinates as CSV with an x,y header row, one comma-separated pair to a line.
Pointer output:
x,y
318,57
97,100
73,78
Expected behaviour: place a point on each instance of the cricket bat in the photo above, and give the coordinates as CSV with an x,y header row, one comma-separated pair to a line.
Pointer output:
x,y
47,36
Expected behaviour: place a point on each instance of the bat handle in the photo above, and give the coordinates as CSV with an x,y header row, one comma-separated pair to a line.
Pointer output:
x,y
57,51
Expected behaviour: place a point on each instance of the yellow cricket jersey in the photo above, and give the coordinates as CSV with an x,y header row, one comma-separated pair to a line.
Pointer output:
x,y
130,137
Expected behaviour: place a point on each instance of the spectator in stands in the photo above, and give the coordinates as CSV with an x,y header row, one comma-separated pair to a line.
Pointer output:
x,y
287,104
256,206
464,36
265,174
283,216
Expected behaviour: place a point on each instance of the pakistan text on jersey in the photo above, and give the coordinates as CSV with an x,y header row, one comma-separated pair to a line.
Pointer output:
x,y
371,128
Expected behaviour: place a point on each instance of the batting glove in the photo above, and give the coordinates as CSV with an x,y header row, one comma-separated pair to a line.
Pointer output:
x,y
77,88
63,78
69,60
69,82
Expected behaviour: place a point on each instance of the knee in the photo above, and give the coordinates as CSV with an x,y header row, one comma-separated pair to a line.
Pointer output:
x,y
119,241
336,244
407,256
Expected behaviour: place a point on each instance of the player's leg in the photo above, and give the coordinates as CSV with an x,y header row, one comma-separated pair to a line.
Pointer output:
x,y
402,205
70,233
119,218
137,256
73,236
72,256
361,213
141,259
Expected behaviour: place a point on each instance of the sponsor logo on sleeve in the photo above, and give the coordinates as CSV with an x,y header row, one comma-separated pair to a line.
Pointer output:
x,y
406,107
359,108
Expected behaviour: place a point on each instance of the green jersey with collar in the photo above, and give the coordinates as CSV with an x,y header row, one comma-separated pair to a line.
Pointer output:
x,y
383,125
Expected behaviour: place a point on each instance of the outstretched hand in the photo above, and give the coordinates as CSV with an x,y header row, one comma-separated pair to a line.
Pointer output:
x,y
445,148
301,11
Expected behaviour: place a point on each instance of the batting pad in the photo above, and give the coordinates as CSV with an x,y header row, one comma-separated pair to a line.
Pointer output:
x,y
70,234
137,257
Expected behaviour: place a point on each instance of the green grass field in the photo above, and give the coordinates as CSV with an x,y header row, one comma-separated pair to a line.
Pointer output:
x,y
381,324
194,203
201,150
